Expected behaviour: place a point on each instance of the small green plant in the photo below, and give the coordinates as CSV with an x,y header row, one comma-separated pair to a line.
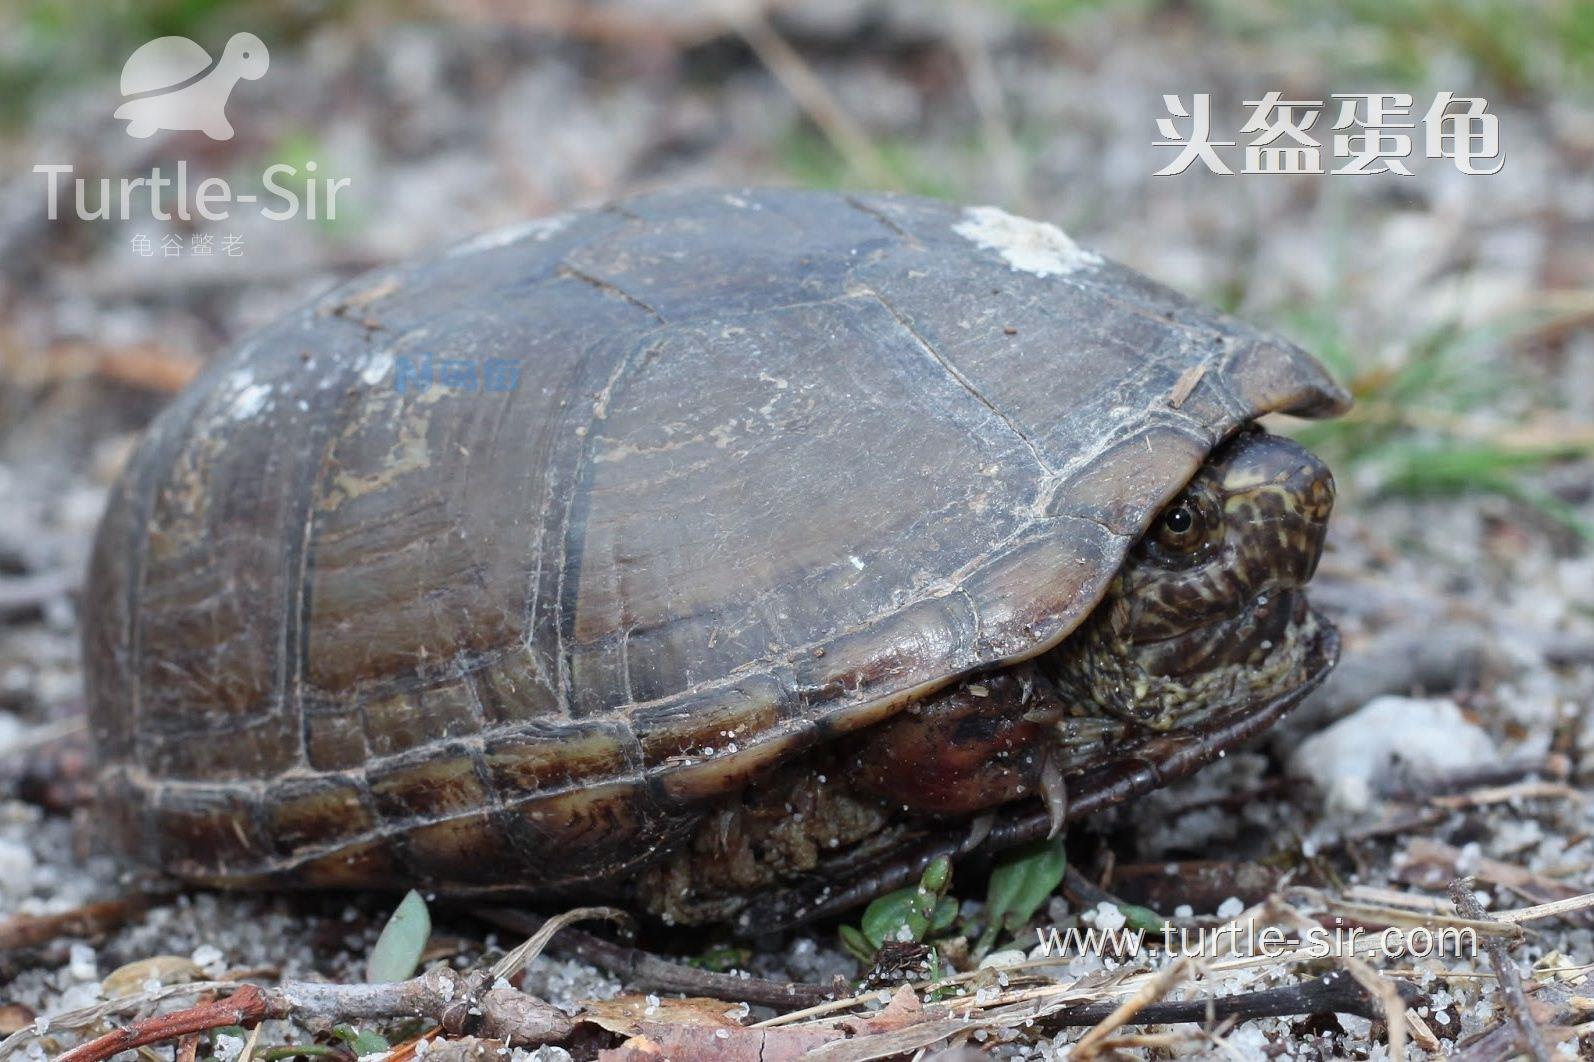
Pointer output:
x,y
1142,919
1544,48
911,914
361,1043
721,958
397,951
1021,882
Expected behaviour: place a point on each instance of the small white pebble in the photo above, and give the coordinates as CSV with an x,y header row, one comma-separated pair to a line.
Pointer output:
x,y
1106,917
998,959
208,957
81,964
1231,907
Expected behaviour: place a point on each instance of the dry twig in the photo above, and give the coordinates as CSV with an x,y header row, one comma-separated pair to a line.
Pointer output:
x,y
1505,970
639,969
810,93
1150,992
460,1004
31,931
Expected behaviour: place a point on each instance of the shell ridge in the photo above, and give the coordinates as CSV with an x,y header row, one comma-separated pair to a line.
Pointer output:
x,y
293,658
573,524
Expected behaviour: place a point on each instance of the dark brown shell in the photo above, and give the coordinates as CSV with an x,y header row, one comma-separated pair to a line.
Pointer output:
x,y
776,463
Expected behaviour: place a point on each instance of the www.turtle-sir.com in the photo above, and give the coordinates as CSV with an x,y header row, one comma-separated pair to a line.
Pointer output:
x,y
1270,941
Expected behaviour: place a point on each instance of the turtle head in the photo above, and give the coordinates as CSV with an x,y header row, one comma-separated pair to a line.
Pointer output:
x,y
246,55
1207,612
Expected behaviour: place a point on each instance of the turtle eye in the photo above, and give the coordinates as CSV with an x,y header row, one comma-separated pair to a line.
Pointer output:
x,y
1181,527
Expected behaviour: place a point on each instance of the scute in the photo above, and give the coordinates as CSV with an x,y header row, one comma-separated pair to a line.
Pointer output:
x,y
162,63
776,463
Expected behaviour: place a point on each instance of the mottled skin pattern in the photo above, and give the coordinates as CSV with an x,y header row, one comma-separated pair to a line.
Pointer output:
x,y
1206,618
778,466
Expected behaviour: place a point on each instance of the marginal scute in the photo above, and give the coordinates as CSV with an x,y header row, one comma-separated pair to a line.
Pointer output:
x,y
463,848
313,814
776,464
1041,587
444,783
354,865
552,758
871,670
1116,491
713,720
217,823
730,767
1279,377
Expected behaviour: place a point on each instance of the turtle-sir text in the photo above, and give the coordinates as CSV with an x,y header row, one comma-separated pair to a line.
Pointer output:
x,y
287,192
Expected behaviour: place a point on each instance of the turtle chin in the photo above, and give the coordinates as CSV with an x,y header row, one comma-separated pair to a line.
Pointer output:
x,y
1247,637
1260,651
1257,653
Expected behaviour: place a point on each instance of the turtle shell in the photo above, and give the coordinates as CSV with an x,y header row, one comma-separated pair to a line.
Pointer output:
x,y
163,63
496,567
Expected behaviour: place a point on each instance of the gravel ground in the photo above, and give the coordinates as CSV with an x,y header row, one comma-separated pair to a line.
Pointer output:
x,y
1453,740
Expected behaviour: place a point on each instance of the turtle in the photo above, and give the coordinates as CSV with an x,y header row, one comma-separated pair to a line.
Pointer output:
x,y
731,553
171,83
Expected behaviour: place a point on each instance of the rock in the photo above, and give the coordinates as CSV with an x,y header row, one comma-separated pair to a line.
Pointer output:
x,y
1423,736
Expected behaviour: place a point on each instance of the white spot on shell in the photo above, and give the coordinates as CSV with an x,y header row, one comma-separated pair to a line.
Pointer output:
x,y
249,402
376,368
1026,245
535,229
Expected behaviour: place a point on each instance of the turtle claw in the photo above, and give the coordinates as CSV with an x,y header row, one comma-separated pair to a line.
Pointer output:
x,y
1055,792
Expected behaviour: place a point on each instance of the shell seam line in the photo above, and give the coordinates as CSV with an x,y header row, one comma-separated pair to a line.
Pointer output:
x,y
608,288
962,381
859,205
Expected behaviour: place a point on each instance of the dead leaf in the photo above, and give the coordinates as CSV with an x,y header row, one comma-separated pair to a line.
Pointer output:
x,y
14,1017
150,366
904,1009
695,1028
628,1014
166,969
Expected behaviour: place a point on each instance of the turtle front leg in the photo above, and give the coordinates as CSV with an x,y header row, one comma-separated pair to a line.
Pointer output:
x,y
780,829
858,807
984,742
